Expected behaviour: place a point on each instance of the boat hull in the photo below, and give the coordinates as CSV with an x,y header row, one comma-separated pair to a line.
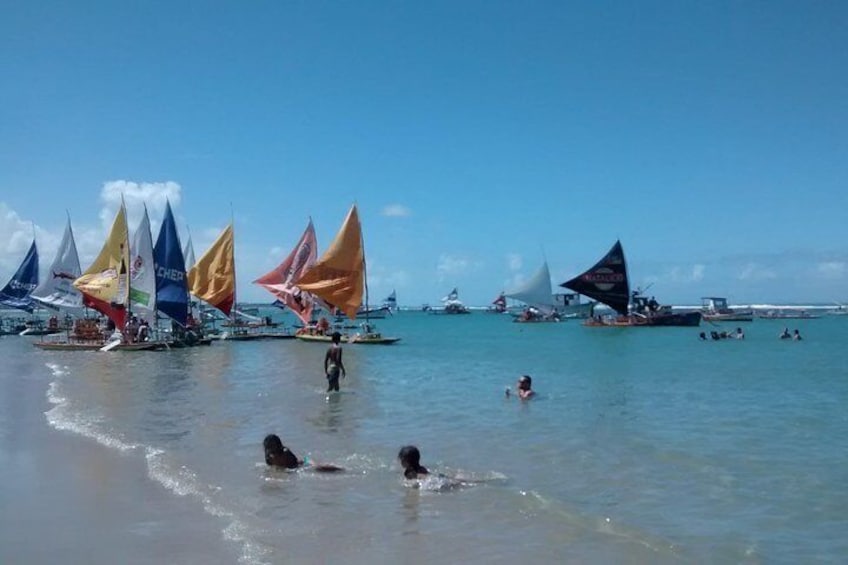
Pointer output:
x,y
359,340
65,346
683,319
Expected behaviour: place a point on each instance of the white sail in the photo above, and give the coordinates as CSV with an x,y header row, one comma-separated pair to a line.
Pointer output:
x,y
536,291
57,290
142,272
188,254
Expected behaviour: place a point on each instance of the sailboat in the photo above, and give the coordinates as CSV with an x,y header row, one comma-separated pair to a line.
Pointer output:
x,y
498,305
452,304
390,301
607,282
105,288
536,293
18,291
142,271
172,298
279,282
339,278
213,277
57,290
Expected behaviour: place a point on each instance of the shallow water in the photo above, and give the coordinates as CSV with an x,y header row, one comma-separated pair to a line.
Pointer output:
x,y
644,445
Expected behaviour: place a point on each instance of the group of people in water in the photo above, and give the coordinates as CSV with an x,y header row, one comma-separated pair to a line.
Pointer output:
x,y
279,456
795,335
739,334
716,336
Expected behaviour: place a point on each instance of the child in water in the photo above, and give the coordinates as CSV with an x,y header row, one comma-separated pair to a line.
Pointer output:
x,y
278,455
410,460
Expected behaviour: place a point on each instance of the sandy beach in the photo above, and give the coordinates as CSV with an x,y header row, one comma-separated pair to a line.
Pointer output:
x,y
66,498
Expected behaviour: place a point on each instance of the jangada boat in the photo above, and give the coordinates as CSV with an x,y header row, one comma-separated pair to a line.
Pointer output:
x,y
607,283
339,278
536,293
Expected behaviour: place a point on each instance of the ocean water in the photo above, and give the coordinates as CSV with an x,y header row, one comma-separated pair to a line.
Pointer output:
x,y
644,445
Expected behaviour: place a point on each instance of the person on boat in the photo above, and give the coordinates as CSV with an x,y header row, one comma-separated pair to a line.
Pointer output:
x,y
410,460
523,387
143,331
739,334
653,304
796,335
333,365
323,326
785,334
278,455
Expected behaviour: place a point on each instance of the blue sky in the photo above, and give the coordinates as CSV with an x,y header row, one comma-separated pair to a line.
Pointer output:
x,y
477,138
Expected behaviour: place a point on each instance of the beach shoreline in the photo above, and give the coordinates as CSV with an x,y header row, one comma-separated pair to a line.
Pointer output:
x,y
65,498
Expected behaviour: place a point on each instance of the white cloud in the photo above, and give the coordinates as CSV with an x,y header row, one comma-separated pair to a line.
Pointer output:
x,y
136,195
396,211
450,266
756,272
514,261
832,269
686,275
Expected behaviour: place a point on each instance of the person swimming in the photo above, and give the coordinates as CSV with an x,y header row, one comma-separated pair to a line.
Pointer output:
x,y
278,455
796,335
410,460
524,387
785,334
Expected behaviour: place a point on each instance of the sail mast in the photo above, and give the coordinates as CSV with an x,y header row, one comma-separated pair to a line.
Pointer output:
x,y
364,274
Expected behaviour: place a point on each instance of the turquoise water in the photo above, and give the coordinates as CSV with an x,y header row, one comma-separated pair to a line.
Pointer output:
x,y
644,445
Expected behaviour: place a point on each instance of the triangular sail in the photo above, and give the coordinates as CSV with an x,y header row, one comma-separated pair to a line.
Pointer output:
x,y
500,301
17,292
142,271
537,291
57,290
391,300
279,282
452,295
188,258
104,285
606,281
171,285
213,277
338,277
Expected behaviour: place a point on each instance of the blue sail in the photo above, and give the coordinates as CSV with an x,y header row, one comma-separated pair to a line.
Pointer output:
x,y
16,293
171,283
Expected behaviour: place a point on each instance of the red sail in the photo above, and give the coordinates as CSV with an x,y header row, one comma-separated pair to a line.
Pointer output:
x,y
279,281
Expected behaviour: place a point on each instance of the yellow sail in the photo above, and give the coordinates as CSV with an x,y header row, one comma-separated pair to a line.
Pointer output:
x,y
213,277
104,285
338,277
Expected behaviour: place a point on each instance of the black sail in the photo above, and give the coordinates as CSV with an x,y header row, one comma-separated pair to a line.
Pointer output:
x,y
606,281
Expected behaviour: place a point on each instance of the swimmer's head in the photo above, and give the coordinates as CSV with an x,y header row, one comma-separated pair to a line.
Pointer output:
x,y
336,337
525,382
273,445
409,457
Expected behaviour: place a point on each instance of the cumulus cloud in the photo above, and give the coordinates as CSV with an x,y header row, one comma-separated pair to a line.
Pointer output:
x,y
136,195
396,211
687,274
450,266
832,269
756,272
514,261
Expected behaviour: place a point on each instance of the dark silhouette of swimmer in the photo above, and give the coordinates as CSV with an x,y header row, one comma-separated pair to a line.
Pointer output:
x,y
702,336
785,334
333,365
796,335
278,455
410,460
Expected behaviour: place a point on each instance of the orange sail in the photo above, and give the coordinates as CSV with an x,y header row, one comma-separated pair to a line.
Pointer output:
x,y
279,281
104,285
213,277
338,277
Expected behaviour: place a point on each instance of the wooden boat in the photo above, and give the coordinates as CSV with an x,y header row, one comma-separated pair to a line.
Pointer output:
x,y
97,346
339,278
364,338
715,309
607,282
536,293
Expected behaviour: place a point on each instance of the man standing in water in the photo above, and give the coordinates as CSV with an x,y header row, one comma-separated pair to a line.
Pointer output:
x,y
333,366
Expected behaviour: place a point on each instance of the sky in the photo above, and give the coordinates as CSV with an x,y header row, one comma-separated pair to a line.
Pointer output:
x,y
477,138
